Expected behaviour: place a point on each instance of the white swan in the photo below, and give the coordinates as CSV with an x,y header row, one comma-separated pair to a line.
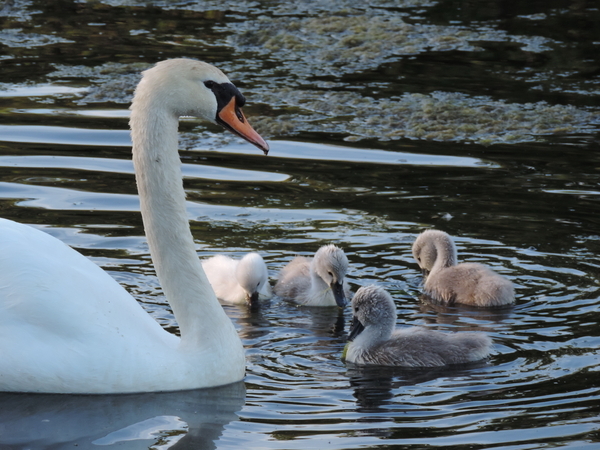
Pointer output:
x,y
373,340
238,281
66,326
317,281
448,282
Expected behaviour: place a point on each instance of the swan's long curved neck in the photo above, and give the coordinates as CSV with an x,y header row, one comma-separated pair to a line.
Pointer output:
x,y
162,202
446,255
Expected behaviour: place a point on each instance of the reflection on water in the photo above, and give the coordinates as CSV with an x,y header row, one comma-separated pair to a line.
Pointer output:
x,y
527,209
188,419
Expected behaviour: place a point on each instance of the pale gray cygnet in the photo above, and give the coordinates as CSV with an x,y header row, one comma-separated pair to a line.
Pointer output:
x,y
373,339
317,281
448,283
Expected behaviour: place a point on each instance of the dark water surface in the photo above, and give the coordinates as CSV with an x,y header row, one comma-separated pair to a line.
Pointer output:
x,y
384,118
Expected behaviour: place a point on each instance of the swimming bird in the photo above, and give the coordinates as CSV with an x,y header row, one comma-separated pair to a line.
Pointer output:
x,y
374,341
238,281
317,281
448,282
66,326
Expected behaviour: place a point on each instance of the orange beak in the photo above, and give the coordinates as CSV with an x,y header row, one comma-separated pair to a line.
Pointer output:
x,y
232,118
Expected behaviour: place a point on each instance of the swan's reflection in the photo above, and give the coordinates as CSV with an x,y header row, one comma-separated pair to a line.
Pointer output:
x,y
374,385
433,312
169,420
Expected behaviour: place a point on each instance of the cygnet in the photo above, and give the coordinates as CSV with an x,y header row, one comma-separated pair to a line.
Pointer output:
x,y
238,281
448,282
374,341
317,281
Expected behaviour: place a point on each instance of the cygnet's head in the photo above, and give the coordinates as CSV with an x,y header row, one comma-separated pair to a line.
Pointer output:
x,y
374,309
433,246
252,275
185,87
331,265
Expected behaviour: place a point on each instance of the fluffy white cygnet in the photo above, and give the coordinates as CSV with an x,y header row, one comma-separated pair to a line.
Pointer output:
x,y
448,282
238,281
373,340
317,281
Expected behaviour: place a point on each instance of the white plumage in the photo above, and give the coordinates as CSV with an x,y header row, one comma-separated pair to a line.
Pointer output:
x,y
238,281
66,326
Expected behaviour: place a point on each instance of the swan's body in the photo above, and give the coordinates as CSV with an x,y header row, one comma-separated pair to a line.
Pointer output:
x,y
244,281
67,327
373,340
448,282
317,281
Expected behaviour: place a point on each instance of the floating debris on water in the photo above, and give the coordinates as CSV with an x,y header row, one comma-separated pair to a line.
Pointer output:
x,y
321,38
111,82
347,42
14,38
439,116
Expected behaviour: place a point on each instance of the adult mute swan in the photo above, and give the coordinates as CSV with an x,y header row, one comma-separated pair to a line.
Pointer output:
x,y
242,281
66,326
317,281
448,282
373,340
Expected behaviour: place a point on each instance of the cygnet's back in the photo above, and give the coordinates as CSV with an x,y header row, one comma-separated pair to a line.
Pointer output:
x,y
373,340
448,282
238,281
317,281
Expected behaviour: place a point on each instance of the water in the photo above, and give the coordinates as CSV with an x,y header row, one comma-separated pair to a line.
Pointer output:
x,y
518,187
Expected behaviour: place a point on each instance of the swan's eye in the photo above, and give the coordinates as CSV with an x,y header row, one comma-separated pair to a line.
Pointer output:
x,y
239,114
209,84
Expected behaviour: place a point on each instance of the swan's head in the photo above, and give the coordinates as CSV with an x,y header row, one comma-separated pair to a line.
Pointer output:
x,y
432,246
373,309
185,87
331,264
251,273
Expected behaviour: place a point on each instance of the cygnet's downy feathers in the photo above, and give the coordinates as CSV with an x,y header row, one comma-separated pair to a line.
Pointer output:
x,y
373,339
238,281
448,283
317,281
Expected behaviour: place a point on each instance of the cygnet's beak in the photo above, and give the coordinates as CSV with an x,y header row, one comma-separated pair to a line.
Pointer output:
x,y
232,118
252,300
338,294
425,272
355,328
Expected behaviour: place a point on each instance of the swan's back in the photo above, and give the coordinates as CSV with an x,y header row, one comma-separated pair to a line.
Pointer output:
x,y
76,328
294,278
421,347
469,284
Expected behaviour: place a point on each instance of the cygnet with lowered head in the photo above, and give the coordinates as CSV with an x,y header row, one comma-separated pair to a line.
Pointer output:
x,y
238,281
374,341
448,283
317,281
